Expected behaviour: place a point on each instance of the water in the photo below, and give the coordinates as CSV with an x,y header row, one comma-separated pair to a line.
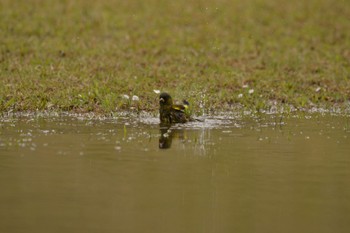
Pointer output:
x,y
255,174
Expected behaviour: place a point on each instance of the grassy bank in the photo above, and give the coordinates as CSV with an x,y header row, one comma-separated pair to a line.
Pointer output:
x,y
85,55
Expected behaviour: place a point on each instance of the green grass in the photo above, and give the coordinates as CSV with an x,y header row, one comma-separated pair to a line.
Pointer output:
x,y
84,55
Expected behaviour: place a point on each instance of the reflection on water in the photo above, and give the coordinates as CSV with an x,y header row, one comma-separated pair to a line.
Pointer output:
x,y
260,174
166,136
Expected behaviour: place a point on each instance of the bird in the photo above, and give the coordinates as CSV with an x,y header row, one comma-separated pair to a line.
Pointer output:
x,y
170,113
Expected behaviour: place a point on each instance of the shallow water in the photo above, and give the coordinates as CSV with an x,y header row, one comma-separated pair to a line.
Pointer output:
x,y
256,174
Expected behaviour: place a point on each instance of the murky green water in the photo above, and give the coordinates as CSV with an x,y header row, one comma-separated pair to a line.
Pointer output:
x,y
224,175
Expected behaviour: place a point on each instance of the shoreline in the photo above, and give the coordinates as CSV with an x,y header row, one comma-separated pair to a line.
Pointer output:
x,y
234,113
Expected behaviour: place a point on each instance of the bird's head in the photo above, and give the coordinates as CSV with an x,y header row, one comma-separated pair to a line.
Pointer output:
x,y
165,99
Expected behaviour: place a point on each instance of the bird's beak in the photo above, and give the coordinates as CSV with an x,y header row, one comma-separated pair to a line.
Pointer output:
x,y
161,100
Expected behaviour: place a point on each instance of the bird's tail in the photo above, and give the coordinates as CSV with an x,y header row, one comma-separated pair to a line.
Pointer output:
x,y
186,103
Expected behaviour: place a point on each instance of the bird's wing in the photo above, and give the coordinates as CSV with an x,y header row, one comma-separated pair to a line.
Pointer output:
x,y
179,107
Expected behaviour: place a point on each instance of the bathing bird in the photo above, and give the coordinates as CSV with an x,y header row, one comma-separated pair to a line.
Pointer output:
x,y
173,113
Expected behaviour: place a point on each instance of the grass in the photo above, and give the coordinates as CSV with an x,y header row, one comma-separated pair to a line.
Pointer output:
x,y
84,55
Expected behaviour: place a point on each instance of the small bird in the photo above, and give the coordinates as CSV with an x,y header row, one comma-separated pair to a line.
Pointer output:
x,y
172,113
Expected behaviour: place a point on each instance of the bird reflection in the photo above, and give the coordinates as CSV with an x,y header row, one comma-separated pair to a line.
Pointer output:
x,y
166,138
167,133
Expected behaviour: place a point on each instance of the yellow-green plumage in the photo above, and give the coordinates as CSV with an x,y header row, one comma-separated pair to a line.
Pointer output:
x,y
172,113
